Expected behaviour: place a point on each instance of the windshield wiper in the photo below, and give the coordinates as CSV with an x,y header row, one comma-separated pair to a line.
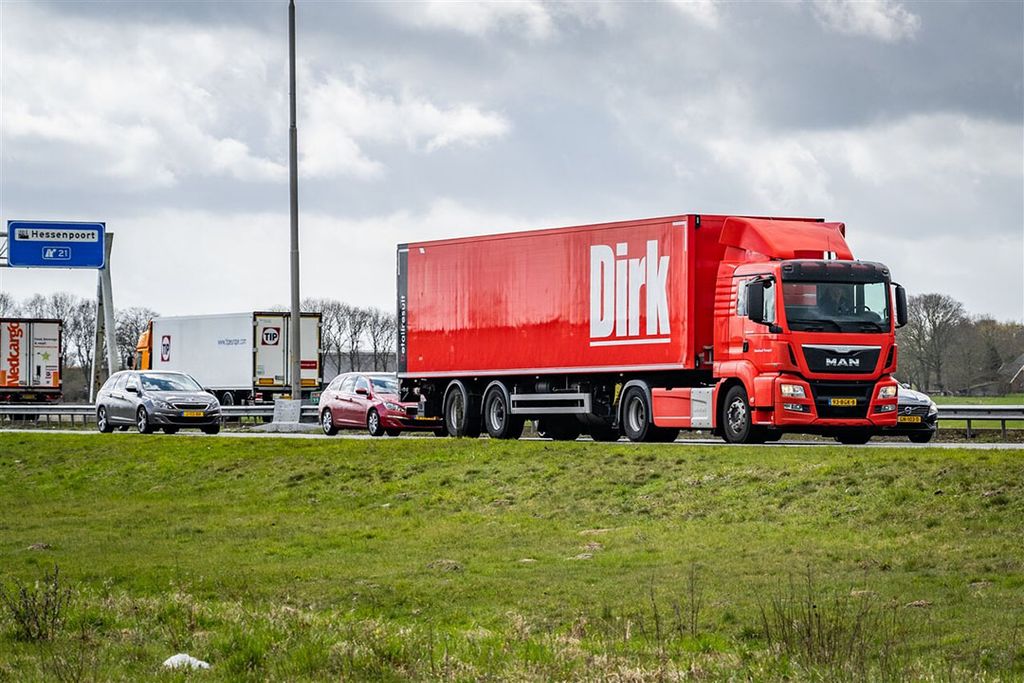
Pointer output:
x,y
877,327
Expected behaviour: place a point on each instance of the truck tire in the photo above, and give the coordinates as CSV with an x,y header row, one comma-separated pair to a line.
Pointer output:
x,y
461,415
737,425
103,421
636,416
559,428
498,417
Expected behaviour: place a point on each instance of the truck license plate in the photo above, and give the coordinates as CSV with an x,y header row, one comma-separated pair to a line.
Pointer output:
x,y
193,413
842,401
908,418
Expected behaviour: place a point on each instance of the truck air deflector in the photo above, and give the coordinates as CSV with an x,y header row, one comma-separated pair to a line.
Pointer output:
x,y
786,239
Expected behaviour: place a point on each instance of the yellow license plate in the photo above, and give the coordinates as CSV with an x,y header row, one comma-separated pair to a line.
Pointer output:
x,y
908,418
193,413
842,401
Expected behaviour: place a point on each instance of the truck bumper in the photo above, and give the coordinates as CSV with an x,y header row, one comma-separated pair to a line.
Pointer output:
x,y
825,406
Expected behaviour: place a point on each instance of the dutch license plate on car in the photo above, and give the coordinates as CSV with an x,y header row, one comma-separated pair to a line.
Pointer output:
x,y
842,401
909,418
192,413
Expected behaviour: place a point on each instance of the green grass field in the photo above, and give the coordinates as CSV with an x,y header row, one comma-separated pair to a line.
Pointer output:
x,y
426,559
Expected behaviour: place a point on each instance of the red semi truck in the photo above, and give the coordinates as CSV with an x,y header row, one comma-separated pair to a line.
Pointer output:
x,y
747,327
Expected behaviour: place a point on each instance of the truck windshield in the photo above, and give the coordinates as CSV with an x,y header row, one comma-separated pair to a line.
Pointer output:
x,y
836,306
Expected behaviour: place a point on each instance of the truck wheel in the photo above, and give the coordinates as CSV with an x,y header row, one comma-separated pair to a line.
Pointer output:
x,y
737,426
142,422
498,418
923,437
559,428
327,423
853,438
102,421
636,416
373,423
460,415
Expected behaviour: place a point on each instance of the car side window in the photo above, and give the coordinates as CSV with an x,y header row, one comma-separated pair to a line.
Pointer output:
x,y
111,381
335,383
121,380
348,384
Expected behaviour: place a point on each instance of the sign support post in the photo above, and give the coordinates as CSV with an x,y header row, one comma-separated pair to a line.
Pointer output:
x,y
106,330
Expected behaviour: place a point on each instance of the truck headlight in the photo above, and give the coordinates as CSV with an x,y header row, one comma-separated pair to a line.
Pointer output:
x,y
793,391
394,407
887,392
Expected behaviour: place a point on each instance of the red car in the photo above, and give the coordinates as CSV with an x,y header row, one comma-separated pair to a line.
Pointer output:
x,y
356,400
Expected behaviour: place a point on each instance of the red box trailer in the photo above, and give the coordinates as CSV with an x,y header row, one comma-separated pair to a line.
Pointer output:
x,y
30,360
640,327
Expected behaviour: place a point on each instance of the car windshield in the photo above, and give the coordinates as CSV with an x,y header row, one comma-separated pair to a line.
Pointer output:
x,y
837,306
167,381
385,385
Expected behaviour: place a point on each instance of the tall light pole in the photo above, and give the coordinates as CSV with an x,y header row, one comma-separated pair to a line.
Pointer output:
x,y
293,167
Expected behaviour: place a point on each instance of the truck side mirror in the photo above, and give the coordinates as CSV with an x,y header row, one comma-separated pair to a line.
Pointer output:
x,y
901,306
755,301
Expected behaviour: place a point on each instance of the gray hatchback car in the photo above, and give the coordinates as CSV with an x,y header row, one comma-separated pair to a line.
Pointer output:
x,y
155,400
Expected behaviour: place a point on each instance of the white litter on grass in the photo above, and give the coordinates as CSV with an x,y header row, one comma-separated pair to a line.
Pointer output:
x,y
184,661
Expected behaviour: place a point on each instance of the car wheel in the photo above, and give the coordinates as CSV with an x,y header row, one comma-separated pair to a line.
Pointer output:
x,y
393,432
923,437
498,418
170,430
142,422
211,430
103,421
373,423
327,423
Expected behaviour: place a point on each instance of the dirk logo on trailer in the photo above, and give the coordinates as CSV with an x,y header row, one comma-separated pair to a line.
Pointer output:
x,y
623,288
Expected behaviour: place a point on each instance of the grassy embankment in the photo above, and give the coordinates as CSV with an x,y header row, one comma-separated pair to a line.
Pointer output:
x,y
442,559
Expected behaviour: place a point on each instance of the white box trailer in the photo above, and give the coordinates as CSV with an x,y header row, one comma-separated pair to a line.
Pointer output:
x,y
241,357
30,360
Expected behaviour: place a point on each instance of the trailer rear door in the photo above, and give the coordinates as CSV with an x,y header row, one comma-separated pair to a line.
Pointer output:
x,y
271,350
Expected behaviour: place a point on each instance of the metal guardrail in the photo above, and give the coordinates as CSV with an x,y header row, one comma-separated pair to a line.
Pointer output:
x,y
86,413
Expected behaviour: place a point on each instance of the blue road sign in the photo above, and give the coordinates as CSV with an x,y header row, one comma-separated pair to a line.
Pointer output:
x,y
40,244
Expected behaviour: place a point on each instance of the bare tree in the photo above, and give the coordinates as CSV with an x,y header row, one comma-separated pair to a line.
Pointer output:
x,y
80,334
356,322
129,324
929,334
332,325
381,331
8,306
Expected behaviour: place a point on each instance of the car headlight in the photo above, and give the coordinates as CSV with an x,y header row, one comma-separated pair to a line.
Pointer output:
x,y
162,405
933,409
887,392
394,406
793,391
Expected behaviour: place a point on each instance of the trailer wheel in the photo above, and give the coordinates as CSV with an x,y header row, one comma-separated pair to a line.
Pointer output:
x,y
498,417
737,420
102,421
636,416
461,417
227,398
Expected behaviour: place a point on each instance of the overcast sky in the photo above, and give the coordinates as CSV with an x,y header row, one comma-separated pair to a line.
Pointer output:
x,y
427,120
